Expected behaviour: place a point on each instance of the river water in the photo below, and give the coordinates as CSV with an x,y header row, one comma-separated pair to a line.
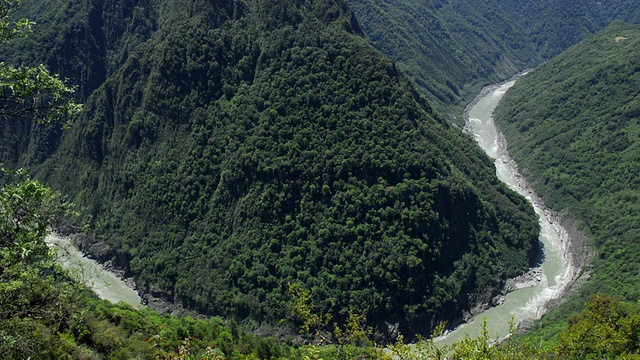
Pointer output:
x,y
105,284
526,303
557,270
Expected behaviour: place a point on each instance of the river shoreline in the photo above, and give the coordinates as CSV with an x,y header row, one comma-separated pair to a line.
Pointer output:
x,y
573,241
484,92
106,281
575,252
93,250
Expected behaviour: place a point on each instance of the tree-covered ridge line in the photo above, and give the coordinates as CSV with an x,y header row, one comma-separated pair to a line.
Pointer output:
x,y
452,49
45,314
257,145
572,126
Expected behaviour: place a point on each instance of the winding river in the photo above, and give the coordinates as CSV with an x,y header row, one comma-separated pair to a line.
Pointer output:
x,y
528,302
557,271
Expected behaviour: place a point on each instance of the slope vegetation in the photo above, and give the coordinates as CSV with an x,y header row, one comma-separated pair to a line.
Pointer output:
x,y
235,149
453,48
573,125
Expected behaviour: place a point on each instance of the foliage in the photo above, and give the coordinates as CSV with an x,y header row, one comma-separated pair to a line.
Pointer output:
x,y
606,329
34,90
8,29
28,90
65,320
305,311
452,49
572,126
26,211
448,49
45,314
253,146
347,341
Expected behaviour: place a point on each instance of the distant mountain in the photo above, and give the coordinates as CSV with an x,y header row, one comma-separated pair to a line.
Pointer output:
x,y
231,149
452,49
573,125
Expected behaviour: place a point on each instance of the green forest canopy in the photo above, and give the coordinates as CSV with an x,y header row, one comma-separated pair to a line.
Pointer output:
x,y
97,328
256,145
453,48
573,126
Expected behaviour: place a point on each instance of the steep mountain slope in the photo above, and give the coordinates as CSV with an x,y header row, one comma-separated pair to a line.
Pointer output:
x,y
452,49
237,148
573,125
447,47
48,314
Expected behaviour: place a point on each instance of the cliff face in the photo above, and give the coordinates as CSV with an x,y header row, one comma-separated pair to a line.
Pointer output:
x,y
229,150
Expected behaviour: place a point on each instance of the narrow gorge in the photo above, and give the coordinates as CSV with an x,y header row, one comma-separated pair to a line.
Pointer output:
x,y
525,297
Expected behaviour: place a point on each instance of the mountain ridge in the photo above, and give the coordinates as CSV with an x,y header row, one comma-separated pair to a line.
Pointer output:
x,y
224,162
453,49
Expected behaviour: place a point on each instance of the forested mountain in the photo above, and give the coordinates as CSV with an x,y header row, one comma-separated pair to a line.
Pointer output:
x,y
231,150
573,126
453,48
46,314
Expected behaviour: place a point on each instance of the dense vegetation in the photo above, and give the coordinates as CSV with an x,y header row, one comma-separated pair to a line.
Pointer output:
x,y
452,48
46,315
573,126
256,150
253,146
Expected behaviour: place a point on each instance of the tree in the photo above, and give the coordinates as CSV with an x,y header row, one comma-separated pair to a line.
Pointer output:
x,y
27,208
608,328
30,90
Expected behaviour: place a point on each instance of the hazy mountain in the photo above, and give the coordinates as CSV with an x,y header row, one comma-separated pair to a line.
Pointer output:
x,y
453,48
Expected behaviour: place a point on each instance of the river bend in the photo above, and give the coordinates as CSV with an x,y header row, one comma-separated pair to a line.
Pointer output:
x,y
556,271
528,302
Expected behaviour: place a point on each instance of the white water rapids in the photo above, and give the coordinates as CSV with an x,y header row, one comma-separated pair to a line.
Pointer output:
x,y
557,269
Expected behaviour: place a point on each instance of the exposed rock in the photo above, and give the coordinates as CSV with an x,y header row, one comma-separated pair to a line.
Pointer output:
x,y
498,300
100,251
576,251
92,247
158,305
393,331
525,326
529,279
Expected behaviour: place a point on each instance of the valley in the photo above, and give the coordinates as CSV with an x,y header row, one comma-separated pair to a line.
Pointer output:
x,y
525,298
531,294
302,170
105,284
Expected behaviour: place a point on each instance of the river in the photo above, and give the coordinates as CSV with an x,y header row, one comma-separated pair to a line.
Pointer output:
x,y
104,283
557,271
